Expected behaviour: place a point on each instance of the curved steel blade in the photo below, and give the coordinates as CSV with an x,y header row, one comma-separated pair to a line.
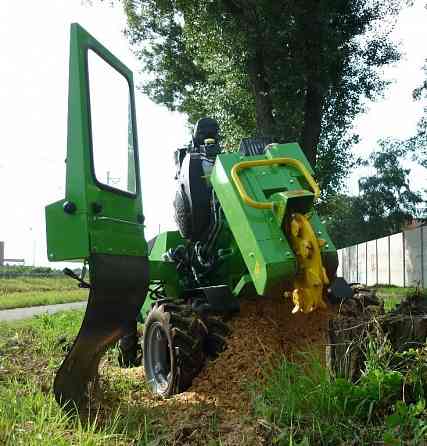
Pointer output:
x,y
118,289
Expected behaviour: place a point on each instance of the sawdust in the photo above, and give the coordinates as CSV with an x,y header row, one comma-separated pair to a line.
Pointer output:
x,y
263,332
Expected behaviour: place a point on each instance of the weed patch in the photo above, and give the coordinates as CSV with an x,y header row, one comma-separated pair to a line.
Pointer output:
x,y
301,405
30,352
392,296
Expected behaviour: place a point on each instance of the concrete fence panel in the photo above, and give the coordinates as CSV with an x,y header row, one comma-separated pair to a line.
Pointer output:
x,y
413,257
399,259
371,253
352,264
361,263
397,276
345,263
383,262
339,269
424,251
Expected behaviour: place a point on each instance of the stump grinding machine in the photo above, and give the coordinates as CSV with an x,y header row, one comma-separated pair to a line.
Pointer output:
x,y
247,226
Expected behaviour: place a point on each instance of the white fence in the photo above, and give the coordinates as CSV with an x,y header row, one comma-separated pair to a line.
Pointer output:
x,y
399,259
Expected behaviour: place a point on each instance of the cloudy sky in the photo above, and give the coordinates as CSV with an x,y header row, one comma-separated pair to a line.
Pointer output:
x,y
34,40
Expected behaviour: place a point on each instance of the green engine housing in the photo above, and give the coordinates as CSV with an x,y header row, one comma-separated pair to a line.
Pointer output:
x,y
252,250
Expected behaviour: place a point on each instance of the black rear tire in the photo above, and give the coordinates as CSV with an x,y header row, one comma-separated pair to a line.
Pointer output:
x,y
129,350
173,348
182,213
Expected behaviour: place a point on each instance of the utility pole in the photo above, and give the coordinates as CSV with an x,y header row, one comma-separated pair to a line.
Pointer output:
x,y
33,241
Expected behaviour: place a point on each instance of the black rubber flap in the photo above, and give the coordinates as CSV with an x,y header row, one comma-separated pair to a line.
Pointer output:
x,y
339,291
216,300
118,288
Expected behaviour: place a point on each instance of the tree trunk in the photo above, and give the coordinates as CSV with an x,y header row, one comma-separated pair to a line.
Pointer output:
x,y
312,120
261,89
313,101
348,333
362,319
265,122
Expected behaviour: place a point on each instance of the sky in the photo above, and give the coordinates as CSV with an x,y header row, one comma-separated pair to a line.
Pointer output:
x,y
34,44
396,116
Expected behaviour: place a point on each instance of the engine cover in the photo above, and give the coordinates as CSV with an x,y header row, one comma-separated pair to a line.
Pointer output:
x,y
193,198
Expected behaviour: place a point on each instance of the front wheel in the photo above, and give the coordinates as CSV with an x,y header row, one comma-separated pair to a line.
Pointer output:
x,y
173,348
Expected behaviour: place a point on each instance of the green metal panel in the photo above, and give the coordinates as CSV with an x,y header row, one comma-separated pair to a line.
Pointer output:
x,y
163,242
264,248
329,251
59,226
162,269
231,265
258,233
105,220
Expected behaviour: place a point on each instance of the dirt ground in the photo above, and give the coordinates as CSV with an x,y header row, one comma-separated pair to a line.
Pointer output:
x,y
218,403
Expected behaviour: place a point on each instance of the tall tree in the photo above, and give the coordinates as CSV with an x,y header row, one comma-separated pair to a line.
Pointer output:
x,y
418,143
385,204
387,201
294,69
343,218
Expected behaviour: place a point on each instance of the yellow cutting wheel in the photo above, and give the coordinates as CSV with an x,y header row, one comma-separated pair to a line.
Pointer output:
x,y
311,279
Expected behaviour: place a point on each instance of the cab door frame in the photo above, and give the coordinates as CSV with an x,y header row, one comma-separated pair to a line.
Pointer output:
x,y
94,218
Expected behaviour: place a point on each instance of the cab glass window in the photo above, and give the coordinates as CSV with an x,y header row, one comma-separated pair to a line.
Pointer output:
x,y
111,125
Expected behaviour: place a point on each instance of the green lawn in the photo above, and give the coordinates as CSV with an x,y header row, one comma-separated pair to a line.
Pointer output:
x,y
31,299
31,291
28,283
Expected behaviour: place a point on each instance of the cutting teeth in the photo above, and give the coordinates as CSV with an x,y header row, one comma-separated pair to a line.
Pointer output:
x,y
311,279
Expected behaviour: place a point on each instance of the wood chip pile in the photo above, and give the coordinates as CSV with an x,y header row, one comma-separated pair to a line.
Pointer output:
x,y
264,330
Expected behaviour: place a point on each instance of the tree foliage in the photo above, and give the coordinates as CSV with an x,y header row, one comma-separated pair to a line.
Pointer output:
x,y
343,220
295,69
385,203
418,143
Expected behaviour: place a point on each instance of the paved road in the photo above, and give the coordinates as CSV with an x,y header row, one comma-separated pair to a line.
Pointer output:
x,y
24,313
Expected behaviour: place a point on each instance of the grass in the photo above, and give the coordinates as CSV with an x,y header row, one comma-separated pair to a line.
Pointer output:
x,y
31,291
21,300
301,405
123,414
36,284
393,295
29,415
297,404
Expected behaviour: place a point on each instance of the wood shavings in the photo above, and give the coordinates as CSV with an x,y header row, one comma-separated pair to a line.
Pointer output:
x,y
262,333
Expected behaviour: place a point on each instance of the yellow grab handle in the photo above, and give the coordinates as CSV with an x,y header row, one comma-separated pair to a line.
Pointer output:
x,y
255,163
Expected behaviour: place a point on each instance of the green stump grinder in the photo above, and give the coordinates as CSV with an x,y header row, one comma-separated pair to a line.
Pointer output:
x,y
247,226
